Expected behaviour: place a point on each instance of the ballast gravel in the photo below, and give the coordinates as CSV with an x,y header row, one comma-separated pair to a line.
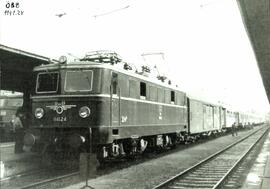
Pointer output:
x,y
153,172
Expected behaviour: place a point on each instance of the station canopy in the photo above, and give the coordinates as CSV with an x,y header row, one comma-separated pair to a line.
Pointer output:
x,y
256,17
16,68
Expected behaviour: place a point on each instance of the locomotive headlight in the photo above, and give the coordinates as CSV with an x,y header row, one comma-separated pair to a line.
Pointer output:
x,y
63,59
39,113
84,112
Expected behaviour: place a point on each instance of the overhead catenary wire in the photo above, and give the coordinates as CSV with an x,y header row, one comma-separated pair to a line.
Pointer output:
x,y
110,12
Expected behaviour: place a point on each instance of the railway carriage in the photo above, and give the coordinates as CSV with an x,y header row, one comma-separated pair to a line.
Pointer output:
x,y
204,117
243,119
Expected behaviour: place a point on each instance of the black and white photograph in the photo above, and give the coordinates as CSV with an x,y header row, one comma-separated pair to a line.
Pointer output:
x,y
134,94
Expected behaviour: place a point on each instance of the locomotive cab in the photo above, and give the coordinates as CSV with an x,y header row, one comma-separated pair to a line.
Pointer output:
x,y
66,101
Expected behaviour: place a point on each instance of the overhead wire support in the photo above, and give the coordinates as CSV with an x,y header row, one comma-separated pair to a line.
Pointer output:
x,y
61,14
110,12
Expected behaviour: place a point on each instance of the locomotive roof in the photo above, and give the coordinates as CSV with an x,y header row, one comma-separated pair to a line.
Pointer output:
x,y
116,67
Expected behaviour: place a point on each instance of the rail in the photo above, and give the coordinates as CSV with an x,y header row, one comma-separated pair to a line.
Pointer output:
x,y
216,181
50,181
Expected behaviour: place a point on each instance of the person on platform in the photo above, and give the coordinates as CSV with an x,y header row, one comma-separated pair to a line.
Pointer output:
x,y
234,131
19,131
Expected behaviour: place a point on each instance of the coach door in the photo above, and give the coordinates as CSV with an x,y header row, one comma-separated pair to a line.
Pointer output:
x,y
223,117
115,100
204,117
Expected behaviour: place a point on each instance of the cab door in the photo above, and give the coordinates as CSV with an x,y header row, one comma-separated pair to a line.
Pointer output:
x,y
115,100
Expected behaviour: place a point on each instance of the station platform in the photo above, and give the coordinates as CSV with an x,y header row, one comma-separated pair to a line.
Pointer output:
x,y
259,175
12,163
7,144
7,153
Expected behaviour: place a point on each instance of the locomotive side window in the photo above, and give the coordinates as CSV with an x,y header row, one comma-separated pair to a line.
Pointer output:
x,y
47,82
143,90
78,80
114,83
172,97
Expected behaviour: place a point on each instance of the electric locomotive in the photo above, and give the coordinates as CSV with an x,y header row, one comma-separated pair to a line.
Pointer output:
x,y
101,103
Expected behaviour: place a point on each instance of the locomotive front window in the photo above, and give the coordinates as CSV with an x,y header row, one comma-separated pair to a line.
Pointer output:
x,y
79,80
47,82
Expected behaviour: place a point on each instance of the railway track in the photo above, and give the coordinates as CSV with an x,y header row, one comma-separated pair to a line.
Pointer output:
x,y
28,173
36,178
53,182
213,171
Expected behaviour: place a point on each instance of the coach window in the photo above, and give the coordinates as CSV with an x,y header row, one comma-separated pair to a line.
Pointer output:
x,y
114,83
143,90
172,97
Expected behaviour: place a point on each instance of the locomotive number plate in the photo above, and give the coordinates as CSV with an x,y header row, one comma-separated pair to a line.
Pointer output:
x,y
60,119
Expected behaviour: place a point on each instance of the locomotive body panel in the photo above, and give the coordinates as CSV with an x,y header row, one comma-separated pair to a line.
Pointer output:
x,y
144,118
64,112
136,117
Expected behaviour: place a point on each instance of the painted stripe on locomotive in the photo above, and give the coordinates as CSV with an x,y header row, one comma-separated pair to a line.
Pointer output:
x,y
107,96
